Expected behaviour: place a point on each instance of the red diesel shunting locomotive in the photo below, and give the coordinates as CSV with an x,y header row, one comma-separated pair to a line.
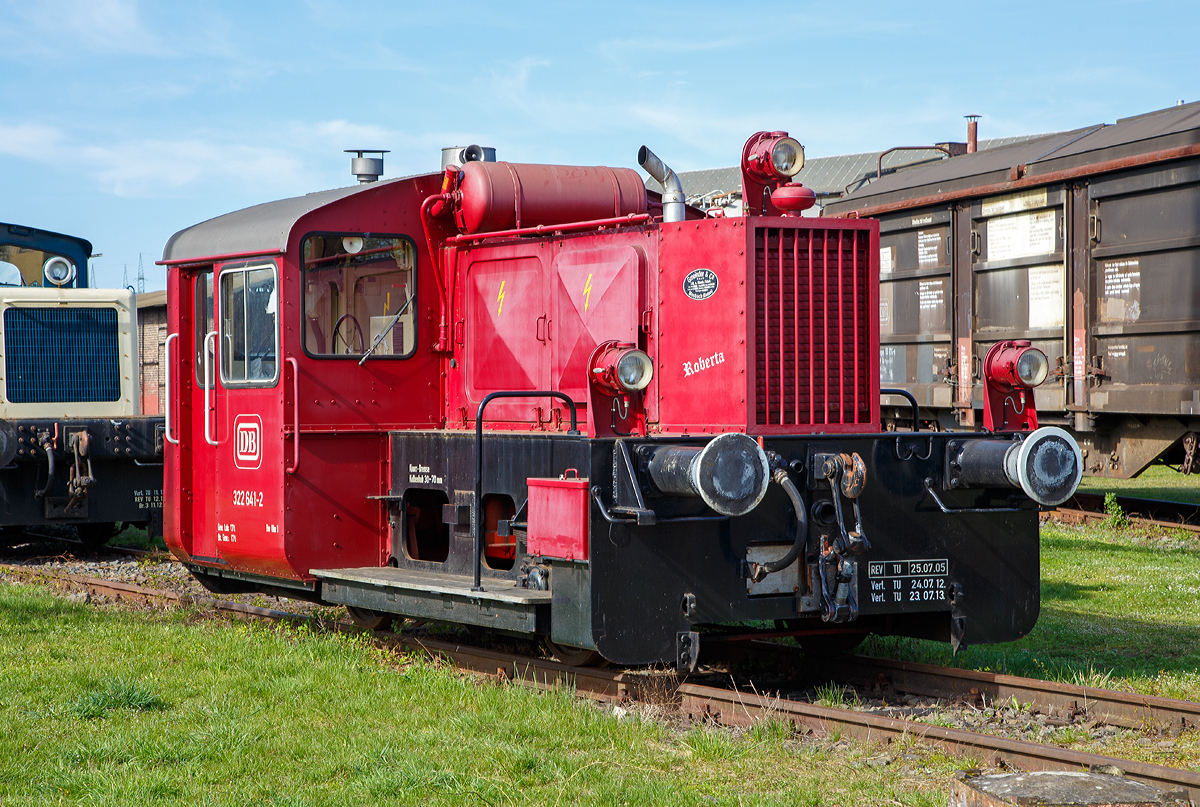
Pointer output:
x,y
542,400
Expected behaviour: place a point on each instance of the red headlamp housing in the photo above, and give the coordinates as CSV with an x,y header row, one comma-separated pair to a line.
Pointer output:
x,y
770,159
1011,370
620,369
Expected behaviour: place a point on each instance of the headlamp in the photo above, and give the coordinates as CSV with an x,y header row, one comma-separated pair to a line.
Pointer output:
x,y
619,369
771,157
1032,367
58,271
787,157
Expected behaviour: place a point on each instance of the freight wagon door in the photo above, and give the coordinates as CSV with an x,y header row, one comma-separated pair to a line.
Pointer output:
x,y
246,418
916,259
1019,269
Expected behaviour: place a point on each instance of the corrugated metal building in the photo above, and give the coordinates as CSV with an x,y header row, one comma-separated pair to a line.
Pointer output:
x,y
831,177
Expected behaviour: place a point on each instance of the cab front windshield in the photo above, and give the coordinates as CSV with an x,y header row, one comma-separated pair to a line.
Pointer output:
x,y
22,266
354,286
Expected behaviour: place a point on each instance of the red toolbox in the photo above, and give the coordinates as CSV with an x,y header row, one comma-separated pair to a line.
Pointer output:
x,y
558,517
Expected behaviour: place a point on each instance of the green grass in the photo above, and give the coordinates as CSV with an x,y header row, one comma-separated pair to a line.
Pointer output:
x,y
1120,609
1156,482
108,706
137,538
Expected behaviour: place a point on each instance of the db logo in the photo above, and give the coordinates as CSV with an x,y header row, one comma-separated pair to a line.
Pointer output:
x,y
247,435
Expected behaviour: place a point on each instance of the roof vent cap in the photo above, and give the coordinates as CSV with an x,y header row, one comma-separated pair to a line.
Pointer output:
x,y
367,169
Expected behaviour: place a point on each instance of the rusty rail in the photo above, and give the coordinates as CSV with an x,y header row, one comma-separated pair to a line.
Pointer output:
x,y
1126,709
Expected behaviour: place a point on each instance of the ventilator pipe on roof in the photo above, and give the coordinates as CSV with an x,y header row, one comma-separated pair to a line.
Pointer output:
x,y
972,133
672,198
367,169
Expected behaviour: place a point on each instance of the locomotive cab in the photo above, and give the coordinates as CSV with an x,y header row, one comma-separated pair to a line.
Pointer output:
x,y
543,400
75,450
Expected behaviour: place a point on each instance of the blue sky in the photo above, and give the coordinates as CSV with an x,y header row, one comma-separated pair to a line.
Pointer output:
x,y
125,121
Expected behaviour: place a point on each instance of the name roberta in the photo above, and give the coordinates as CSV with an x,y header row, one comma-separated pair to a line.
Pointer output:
x,y
704,363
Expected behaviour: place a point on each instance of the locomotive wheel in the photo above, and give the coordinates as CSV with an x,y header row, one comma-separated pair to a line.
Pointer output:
x,y
824,645
574,656
94,536
367,619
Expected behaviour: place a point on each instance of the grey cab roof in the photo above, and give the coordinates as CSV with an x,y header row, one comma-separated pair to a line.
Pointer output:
x,y
261,228
828,176
1165,128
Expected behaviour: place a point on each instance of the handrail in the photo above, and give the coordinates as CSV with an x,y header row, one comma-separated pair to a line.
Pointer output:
x,y
916,410
479,519
211,336
295,466
546,229
167,390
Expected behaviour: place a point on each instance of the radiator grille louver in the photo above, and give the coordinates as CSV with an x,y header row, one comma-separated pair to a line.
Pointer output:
x,y
61,355
812,343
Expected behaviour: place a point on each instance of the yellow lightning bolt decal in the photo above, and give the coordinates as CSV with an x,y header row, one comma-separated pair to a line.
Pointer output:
x,y
587,293
500,307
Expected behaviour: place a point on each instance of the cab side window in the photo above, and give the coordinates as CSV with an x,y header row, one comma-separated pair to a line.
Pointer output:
x,y
249,330
203,319
358,291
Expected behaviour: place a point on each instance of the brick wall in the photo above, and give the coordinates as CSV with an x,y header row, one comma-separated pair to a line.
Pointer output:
x,y
152,337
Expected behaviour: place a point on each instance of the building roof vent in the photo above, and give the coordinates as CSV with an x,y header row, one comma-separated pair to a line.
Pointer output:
x,y
367,169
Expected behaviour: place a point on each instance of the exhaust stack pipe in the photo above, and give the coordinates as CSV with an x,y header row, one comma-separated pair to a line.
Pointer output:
x,y
972,133
672,198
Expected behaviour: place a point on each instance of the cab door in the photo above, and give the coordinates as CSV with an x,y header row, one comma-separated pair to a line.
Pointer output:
x,y
247,419
192,379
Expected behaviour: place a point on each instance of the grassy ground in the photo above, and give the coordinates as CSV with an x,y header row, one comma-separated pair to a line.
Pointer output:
x,y
111,707
1156,482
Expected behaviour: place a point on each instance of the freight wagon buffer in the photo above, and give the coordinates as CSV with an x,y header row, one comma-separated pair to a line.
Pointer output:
x,y
540,400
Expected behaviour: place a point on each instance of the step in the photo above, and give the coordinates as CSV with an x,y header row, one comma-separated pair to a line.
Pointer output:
x,y
501,604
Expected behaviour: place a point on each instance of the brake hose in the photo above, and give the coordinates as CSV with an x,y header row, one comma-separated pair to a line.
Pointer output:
x,y
780,476
48,447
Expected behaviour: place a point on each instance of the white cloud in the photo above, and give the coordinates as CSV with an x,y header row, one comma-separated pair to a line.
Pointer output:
x,y
98,26
160,167
29,141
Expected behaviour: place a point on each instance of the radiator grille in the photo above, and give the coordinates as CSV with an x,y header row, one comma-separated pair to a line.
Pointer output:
x,y
813,362
61,355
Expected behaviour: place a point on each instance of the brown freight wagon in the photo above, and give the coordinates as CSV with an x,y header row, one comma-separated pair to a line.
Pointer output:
x,y
1085,243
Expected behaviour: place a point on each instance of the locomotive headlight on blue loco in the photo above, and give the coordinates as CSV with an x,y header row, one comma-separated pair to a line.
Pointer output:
x,y
59,271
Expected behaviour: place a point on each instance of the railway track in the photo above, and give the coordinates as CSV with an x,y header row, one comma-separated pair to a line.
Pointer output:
x,y
736,707
1090,507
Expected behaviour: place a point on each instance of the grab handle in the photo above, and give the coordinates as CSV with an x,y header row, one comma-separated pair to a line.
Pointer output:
x,y
167,390
209,338
295,466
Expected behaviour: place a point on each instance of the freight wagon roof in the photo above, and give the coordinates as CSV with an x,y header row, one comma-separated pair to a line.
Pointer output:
x,y
825,175
261,228
1166,128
